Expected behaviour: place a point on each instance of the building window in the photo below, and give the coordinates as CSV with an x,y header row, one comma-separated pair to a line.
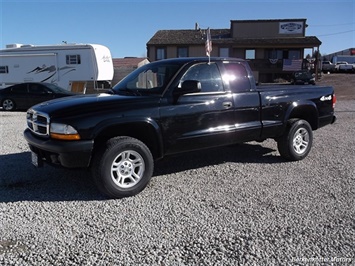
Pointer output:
x,y
250,54
224,52
182,52
4,69
294,54
161,53
274,54
73,59
283,54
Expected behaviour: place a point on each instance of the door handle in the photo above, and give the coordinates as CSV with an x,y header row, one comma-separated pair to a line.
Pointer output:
x,y
227,105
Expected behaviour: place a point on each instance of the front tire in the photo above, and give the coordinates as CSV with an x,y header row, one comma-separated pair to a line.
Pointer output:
x,y
123,168
297,140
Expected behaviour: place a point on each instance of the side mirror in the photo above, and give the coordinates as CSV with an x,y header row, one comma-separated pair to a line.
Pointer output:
x,y
189,86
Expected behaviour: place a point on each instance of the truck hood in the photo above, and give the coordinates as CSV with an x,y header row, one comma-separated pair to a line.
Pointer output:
x,y
92,103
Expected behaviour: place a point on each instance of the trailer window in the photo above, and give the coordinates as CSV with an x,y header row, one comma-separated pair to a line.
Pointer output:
x,y
4,69
73,59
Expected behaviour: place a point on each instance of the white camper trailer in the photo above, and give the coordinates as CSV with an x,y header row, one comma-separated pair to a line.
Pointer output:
x,y
70,66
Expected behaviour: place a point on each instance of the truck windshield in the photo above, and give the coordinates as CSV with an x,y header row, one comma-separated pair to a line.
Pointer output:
x,y
150,78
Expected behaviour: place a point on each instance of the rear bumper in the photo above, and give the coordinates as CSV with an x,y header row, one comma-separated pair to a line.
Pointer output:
x,y
326,120
69,154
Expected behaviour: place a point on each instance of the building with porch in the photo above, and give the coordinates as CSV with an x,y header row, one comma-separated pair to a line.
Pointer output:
x,y
274,47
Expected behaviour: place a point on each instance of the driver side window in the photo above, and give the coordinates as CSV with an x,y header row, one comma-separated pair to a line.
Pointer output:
x,y
207,74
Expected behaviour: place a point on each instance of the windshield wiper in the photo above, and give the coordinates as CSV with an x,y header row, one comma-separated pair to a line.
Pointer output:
x,y
111,91
135,92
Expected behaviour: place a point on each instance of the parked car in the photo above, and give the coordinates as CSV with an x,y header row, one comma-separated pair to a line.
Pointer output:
x,y
303,77
343,66
328,66
24,95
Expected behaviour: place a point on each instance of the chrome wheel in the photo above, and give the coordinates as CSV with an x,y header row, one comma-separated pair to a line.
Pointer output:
x,y
123,167
300,140
127,169
296,141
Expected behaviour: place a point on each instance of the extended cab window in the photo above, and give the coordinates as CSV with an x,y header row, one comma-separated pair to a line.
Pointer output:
x,y
207,74
237,77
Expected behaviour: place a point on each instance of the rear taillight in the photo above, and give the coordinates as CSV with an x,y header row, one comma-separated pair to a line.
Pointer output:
x,y
334,100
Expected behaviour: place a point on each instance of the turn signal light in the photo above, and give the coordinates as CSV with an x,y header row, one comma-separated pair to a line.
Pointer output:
x,y
65,136
334,100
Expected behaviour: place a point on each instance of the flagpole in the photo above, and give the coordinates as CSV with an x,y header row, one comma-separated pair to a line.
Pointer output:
x,y
208,45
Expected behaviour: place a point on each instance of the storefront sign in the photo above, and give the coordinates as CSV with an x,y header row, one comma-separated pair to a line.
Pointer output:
x,y
291,28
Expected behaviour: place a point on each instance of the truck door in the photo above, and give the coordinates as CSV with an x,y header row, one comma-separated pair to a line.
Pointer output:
x,y
200,119
246,102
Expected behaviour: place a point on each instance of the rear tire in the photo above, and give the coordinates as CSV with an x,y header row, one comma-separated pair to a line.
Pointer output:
x,y
123,168
8,105
297,140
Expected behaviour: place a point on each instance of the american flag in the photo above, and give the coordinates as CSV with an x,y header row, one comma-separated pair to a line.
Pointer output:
x,y
292,65
208,44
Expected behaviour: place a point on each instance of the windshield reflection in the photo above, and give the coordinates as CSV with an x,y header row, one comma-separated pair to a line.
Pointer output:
x,y
150,78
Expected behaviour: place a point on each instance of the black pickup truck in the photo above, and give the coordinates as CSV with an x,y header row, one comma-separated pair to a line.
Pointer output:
x,y
168,107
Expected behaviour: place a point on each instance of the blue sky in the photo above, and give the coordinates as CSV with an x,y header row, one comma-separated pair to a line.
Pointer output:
x,y
126,26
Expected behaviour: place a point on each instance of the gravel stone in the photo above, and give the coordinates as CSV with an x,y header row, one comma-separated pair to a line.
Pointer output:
x,y
241,204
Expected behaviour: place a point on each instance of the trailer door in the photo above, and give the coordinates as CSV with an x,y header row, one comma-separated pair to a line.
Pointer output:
x,y
78,87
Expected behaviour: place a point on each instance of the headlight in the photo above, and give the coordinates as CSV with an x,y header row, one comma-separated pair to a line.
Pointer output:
x,y
63,132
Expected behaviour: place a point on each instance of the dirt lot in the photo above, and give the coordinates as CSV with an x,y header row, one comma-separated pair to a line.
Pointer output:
x,y
344,85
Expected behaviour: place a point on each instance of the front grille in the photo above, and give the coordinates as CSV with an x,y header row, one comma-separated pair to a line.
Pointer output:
x,y
38,122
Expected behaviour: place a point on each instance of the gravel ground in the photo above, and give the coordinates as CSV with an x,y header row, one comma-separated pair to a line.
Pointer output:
x,y
226,206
